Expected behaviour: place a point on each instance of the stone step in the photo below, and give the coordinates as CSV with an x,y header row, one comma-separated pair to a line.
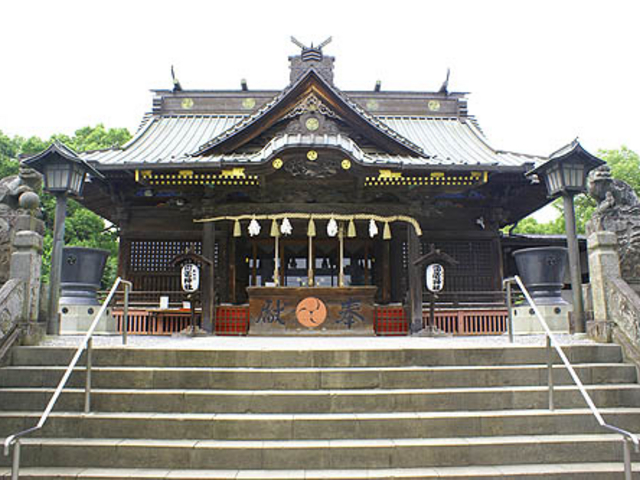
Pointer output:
x,y
319,401
548,471
316,378
320,426
319,454
149,357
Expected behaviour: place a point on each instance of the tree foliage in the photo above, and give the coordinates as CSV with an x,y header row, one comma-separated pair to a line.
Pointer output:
x,y
82,227
624,164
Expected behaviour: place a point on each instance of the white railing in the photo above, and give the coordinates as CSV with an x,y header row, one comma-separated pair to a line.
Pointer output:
x,y
87,342
627,437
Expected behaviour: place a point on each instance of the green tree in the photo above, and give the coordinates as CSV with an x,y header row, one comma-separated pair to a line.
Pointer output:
x,y
82,227
8,154
624,164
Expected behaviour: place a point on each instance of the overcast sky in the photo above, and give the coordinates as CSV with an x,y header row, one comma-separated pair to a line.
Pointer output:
x,y
539,73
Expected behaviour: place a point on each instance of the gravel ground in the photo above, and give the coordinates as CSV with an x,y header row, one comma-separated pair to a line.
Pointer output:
x,y
314,343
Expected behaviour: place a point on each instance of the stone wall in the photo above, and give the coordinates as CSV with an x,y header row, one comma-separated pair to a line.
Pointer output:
x,y
616,305
20,257
12,296
18,202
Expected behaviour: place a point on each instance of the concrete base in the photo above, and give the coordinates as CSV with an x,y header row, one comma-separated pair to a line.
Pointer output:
x,y
76,319
525,321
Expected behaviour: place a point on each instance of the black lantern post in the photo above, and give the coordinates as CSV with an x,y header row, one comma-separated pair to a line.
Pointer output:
x,y
64,175
565,174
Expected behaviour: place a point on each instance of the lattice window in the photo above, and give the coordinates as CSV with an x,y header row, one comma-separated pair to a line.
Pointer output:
x,y
476,267
156,255
475,271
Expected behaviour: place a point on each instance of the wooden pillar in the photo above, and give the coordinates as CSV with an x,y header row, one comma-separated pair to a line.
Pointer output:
x,y
208,277
310,264
124,257
232,269
341,256
415,283
386,271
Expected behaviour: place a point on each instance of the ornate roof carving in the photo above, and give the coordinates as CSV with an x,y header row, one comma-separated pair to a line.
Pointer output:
x,y
280,107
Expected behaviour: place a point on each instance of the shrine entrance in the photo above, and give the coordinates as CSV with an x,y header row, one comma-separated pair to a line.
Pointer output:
x,y
359,263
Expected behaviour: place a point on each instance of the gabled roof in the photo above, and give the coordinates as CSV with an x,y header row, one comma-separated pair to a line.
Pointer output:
x,y
167,141
572,150
253,125
58,150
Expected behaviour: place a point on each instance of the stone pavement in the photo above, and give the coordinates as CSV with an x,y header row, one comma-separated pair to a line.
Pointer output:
x,y
315,343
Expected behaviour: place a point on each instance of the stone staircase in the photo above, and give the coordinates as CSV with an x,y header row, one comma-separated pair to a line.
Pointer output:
x,y
412,413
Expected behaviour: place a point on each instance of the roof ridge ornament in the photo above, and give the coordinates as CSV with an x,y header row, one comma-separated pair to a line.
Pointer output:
x,y
176,83
445,85
311,57
311,53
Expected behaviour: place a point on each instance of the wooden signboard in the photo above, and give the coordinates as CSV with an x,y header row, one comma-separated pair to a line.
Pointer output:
x,y
311,310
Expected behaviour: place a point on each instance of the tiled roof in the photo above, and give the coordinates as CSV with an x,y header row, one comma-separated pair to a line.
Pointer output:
x,y
451,141
167,140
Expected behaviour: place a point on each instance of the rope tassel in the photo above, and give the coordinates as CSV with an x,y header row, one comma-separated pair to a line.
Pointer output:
x,y
311,229
275,232
236,229
351,229
386,233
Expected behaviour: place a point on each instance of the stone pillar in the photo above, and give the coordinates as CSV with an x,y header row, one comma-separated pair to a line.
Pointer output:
x,y
604,264
26,261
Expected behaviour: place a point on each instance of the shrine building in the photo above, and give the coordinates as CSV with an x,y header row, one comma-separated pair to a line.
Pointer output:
x,y
315,206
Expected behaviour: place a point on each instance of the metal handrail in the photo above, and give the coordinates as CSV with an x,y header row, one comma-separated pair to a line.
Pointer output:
x,y
14,440
551,342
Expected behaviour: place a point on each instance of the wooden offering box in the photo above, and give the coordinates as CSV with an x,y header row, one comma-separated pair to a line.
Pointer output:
x,y
311,310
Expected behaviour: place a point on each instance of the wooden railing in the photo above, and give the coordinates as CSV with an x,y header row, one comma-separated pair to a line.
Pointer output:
x,y
483,314
470,322
392,320
230,320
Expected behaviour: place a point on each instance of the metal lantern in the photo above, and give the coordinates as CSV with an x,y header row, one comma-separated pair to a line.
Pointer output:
x,y
63,170
566,170
565,177
565,174
62,175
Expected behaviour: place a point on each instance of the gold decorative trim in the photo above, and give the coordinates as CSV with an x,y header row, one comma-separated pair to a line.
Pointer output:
x,y
388,178
232,177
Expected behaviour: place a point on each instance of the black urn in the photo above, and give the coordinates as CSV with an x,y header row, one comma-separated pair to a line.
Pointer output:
x,y
542,271
82,270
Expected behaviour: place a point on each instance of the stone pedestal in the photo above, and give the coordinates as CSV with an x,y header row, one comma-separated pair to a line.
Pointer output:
x,y
25,266
526,322
604,265
76,320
